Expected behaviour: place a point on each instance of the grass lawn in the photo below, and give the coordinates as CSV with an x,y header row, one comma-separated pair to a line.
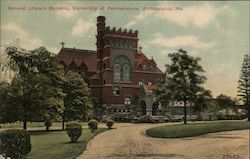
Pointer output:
x,y
56,144
195,129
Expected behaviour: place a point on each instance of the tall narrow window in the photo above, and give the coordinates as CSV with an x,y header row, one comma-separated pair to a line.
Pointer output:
x,y
117,72
126,72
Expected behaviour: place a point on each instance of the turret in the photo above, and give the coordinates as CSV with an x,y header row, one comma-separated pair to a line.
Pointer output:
x,y
100,31
100,23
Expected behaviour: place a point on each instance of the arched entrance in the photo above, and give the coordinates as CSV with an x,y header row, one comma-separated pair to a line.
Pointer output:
x,y
155,108
143,107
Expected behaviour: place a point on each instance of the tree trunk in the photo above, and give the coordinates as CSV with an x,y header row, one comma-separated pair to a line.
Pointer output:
x,y
24,124
185,112
62,123
25,120
47,128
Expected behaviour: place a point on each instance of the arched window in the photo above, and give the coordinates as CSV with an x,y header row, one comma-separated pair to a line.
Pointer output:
x,y
117,72
122,68
126,72
127,101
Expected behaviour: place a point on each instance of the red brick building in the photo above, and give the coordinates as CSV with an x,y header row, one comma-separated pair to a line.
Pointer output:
x,y
116,72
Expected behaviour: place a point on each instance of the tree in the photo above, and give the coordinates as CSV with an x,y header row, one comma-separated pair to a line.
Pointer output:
x,y
244,84
225,102
76,101
163,95
35,91
4,89
203,101
184,79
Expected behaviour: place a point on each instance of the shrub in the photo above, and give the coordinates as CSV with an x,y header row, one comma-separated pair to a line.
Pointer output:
x,y
109,123
93,125
15,143
48,124
74,130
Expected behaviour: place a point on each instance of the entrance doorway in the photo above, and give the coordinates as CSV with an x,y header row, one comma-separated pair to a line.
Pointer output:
x,y
143,107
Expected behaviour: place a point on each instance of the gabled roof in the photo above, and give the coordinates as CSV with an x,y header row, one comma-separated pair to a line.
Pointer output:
x,y
69,56
147,89
142,59
79,57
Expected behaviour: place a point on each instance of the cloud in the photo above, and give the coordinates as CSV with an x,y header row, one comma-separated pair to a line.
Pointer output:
x,y
82,27
53,50
179,41
21,37
199,15
137,18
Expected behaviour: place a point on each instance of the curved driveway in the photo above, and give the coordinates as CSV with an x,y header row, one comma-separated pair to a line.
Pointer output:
x,y
128,141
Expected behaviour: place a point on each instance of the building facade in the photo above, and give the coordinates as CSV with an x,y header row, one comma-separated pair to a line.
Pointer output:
x,y
120,76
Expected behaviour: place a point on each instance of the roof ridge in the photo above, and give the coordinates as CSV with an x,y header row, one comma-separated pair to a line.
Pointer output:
x,y
74,49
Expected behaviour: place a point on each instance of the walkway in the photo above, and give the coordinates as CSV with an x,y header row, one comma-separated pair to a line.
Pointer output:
x,y
128,141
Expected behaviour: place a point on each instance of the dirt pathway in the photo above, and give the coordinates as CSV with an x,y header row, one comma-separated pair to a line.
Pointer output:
x,y
129,142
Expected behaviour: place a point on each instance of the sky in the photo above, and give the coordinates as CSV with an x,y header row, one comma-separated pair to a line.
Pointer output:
x,y
217,31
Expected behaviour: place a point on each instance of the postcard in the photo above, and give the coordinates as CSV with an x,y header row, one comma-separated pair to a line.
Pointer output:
x,y
124,79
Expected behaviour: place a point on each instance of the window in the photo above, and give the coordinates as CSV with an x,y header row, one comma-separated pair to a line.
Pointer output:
x,y
117,72
104,66
144,67
115,110
129,110
127,101
122,69
140,83
116,90
126,72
